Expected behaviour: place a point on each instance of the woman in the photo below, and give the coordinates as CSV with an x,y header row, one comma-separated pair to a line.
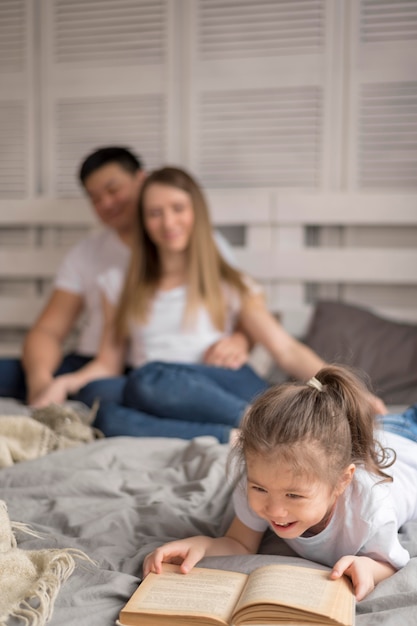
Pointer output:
x,y
179,298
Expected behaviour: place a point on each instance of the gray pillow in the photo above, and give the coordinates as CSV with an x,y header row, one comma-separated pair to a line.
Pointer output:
x,y
385,350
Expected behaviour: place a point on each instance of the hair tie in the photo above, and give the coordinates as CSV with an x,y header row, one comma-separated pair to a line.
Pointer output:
x,y
315,383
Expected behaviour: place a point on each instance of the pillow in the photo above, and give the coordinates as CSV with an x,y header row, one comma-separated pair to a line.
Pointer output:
x,y
385,350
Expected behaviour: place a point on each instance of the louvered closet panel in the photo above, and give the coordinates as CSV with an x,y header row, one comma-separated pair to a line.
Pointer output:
x,y
383,112
18,125
381,138
107,75
263,106
258,100
16,99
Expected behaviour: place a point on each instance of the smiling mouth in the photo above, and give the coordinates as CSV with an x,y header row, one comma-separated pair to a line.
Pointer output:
x,y
282,524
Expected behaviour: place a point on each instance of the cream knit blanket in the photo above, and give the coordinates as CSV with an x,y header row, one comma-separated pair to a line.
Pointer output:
x,y
30,580
27,437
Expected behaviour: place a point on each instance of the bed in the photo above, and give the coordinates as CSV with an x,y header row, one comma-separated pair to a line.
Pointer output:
x,y
116,499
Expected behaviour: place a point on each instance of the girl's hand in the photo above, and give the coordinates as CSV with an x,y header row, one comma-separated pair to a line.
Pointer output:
x,y
364,572
184,552
239,539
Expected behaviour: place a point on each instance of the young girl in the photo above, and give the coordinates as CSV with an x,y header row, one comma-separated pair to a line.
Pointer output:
x,y
321,474
180,297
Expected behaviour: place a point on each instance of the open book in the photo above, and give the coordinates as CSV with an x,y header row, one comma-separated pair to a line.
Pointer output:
x,y
273,594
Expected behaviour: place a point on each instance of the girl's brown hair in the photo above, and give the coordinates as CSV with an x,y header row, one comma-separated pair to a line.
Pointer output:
x,y
207,269
334,419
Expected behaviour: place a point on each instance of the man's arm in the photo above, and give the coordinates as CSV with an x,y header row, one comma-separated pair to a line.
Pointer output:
x,y
108,362
42,349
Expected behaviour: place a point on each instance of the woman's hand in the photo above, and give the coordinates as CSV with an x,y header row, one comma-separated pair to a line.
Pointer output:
x,y
364,572
377,404
184,552
231,352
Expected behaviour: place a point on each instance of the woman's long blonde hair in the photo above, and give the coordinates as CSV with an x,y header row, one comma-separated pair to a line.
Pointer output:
x,y
207,269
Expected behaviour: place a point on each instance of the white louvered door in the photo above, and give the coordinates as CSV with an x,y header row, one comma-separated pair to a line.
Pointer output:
x,y
311,94
261,76
106,80
383,95
381,131
17,99
264,102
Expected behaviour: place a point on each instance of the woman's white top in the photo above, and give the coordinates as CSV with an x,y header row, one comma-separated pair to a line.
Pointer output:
x,y
367,516
85,262
165,337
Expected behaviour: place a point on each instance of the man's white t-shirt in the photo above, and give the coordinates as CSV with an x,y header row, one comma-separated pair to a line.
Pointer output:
x,y
78,274
82,266
367,515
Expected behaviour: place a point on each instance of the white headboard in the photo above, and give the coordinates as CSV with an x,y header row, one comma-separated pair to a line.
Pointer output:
x,y
301,246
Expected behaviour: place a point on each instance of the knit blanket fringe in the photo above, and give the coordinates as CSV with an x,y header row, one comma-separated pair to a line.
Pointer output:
x,y
30,580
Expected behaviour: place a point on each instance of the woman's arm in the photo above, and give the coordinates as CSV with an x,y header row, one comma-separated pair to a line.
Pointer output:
x,y
292,356
109,362
262,327
239,539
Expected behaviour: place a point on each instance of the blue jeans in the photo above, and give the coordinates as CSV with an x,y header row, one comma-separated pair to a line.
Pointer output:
x,y
404,424
12,376
180,400
115,420
102,389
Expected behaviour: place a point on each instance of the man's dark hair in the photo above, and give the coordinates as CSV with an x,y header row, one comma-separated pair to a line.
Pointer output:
x,y
110,154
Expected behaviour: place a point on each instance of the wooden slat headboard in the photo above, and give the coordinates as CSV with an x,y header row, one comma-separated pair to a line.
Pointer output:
x,y
290,242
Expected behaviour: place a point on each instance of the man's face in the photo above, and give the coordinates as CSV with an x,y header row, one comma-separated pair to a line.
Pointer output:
x,y
114,194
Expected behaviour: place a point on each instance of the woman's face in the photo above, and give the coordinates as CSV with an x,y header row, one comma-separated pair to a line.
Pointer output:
x,y
168,216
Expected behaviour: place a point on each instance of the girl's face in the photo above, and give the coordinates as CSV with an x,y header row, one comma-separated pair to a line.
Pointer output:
x,y
168,217
291,503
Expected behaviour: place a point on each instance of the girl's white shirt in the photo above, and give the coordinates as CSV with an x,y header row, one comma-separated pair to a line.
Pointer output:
x,y
367,516
165,336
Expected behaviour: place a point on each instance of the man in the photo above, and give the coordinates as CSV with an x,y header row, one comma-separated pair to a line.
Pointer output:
x,y
112,178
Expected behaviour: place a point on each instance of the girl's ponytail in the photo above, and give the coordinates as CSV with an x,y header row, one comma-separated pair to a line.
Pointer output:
x,y
352,396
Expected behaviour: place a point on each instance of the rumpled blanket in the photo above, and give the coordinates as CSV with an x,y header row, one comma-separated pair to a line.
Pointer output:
x,y
30,579
30,436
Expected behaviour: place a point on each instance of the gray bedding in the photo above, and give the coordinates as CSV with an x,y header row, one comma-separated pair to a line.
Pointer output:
x,y
116,499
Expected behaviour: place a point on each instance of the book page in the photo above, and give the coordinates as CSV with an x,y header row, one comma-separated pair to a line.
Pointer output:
x,y
299,587
201,591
